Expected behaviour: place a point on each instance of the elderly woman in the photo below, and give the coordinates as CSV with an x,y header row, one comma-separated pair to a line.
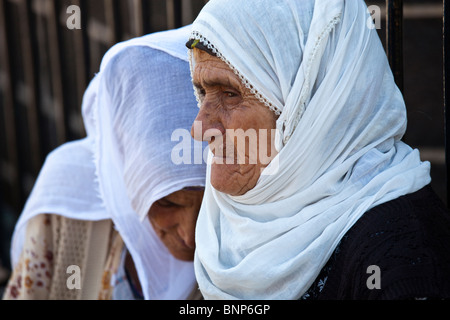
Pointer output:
x,y
344,209
112,216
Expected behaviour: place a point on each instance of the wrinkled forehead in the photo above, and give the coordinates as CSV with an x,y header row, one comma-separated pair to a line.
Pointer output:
x,y
200,55
211,69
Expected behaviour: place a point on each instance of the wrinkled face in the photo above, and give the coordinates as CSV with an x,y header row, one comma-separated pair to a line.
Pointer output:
x,y
174,218
238,127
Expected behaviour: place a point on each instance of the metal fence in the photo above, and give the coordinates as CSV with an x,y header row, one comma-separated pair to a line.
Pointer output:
x,y
394,50
45,68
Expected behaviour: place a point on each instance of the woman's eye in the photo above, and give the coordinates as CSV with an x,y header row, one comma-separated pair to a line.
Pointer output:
x,y
201,92
230,94
201,95
166,203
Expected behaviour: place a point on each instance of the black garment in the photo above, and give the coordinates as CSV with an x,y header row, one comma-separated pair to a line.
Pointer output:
x,y
408,239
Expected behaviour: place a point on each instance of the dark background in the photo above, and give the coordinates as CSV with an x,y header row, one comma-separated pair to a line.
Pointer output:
x,y
45,68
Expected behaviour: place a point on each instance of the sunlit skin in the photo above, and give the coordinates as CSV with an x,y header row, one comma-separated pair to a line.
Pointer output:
x,y
227,104
174,218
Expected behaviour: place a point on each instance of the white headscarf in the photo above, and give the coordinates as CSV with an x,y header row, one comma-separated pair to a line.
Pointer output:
x,y
324,71
142,93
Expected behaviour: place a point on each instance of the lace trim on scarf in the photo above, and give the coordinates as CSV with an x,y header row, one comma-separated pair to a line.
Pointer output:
x,y
298,113
197,36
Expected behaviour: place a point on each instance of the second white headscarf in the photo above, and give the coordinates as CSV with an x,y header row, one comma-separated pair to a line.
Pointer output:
x,y
141,94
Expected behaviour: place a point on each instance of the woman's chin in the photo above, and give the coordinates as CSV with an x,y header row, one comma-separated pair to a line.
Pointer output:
x,y
234,179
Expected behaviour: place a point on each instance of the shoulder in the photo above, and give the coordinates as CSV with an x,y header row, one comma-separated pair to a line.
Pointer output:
x,y
34,273
53,244
405,243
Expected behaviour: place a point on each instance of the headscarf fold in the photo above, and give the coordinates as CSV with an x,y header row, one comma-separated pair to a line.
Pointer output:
x,y
140,96
321,67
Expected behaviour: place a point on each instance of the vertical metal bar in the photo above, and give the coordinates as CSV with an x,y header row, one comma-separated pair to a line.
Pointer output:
x,y
136,18
55,69
9,120
177,14
82,42
186,12
170,14
394,38
48,49
146,17
79,44
101,31
111,21
446,72
173,12
29,76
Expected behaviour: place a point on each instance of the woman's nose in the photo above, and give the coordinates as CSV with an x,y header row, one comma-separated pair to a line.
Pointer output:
x,y
187,233
206,125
